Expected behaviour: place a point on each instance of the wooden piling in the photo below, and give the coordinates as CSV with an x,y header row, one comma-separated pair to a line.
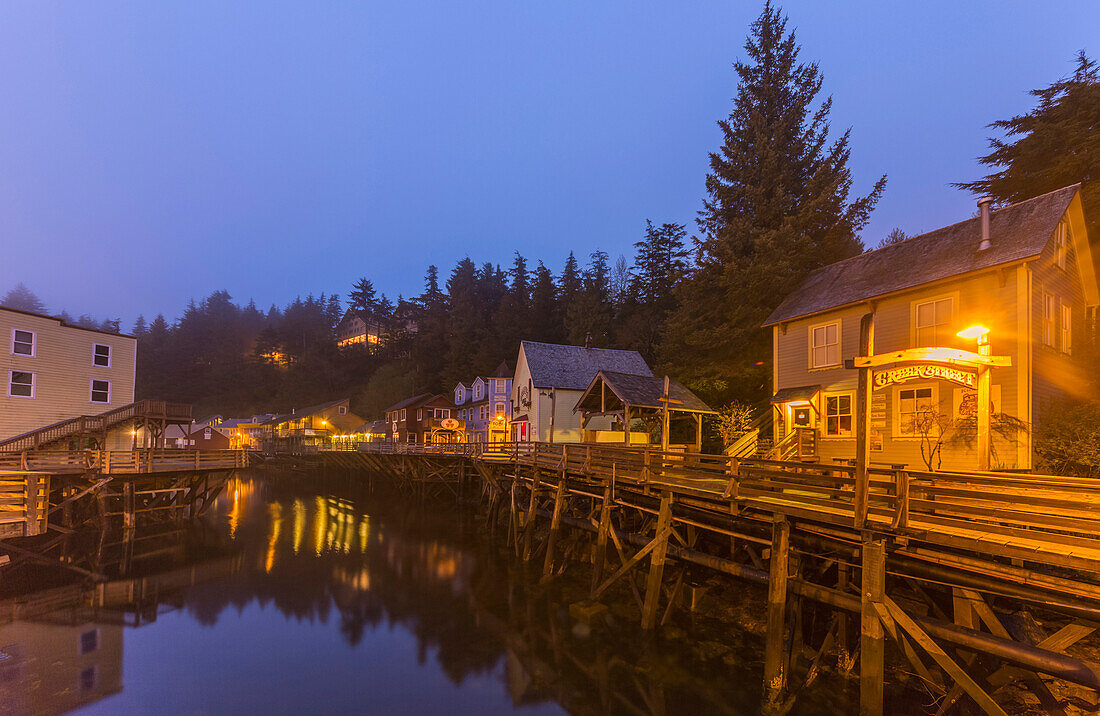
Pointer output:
x,y
775,672
871,644
555,525
657,563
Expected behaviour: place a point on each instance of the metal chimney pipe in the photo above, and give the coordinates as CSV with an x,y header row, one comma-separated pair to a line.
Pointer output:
x,y
984,208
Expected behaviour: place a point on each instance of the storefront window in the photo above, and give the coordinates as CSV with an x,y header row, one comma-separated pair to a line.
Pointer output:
x,y
838,415
915,405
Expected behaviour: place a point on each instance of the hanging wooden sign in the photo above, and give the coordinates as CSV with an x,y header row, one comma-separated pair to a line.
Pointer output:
x,y
925,371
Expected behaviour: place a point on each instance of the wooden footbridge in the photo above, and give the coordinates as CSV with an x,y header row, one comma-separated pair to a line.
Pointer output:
x,y
980,581
35,484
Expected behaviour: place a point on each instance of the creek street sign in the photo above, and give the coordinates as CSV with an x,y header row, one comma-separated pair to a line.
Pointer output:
x,y
925,371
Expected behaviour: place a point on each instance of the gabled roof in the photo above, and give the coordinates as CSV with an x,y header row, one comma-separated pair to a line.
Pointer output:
x,y
1018,232
305,412
639,391
572,367
415,400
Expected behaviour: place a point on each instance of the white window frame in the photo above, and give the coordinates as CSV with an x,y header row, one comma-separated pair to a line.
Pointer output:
x,y
896,421
92,391
95,355
1048,319
825,414
839,345
402,413
915,326
498,409
34,384
419,414
1061,244
1066,326
34,343
342,410
500,387
477,392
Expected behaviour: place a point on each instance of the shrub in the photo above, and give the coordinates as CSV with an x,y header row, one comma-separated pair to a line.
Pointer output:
x,y
1068,439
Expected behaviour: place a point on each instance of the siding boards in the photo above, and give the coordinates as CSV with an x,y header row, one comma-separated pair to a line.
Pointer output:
x,y
63,370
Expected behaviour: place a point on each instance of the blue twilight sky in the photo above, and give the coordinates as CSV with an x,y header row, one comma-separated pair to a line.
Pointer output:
x,y
151,152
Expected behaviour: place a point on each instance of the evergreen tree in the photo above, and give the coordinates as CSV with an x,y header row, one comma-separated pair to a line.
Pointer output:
x,y
546,318
22,298
777,208
661,262
362,296
588,318
465,320
141,328
1054,145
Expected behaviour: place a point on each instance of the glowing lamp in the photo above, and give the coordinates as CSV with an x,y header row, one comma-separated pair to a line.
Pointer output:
x,y
973,333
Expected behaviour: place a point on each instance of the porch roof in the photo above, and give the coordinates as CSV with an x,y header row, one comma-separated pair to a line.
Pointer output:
x,y
802,392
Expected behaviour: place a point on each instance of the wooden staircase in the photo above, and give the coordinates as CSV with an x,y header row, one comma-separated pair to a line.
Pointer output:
x,y
85,426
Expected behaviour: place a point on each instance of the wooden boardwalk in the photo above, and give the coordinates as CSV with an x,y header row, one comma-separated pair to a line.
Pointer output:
x,y
27,478
936,563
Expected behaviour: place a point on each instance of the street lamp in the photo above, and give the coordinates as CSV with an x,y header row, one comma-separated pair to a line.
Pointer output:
x,y
981,334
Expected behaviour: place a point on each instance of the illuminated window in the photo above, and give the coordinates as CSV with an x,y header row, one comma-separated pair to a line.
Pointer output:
x,y
1067,329
100,391
101,355
825,345
838,415
20,384
1061,244
915,408
1048,319
22,343
499,408
933,322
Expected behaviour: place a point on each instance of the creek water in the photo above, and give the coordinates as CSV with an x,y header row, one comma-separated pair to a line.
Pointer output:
x,y
315,593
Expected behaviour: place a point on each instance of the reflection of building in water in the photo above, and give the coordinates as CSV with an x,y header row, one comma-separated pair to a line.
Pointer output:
x,y
52,667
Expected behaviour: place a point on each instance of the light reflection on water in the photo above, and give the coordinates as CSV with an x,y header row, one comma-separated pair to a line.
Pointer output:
x,y
330,598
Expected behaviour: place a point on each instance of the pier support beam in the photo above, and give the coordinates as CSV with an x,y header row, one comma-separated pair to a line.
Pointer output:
x,y
775,666
872,641
657,563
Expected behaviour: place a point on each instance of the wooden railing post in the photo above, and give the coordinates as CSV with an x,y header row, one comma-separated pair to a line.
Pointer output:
x,y
30,506
901,495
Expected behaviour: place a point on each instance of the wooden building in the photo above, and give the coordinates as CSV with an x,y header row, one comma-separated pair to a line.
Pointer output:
x,y
53,371
550,379
309,429
358,328
1022,278
425,418
486,405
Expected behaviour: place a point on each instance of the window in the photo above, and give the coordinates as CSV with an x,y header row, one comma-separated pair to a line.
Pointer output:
x,y
342,410
932,321
484,412
412,437
87,679
101,391
499,408
915,406
89,641
1048,319
402,413
419,414
825,345
207,434
477,391
101,355
1061,244
838,414
1067,329
22,343
499,383
442,413
20,384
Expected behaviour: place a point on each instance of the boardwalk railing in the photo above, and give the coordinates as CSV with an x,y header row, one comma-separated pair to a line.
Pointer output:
x,y
1043,518
120,462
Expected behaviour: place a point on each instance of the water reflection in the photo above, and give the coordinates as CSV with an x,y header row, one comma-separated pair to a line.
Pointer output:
x,y
381,603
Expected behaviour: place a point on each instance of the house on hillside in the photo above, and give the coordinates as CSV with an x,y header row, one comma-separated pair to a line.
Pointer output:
x,y
53,371
486,405
551,378
309,429
358,327
1019,283
425,418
